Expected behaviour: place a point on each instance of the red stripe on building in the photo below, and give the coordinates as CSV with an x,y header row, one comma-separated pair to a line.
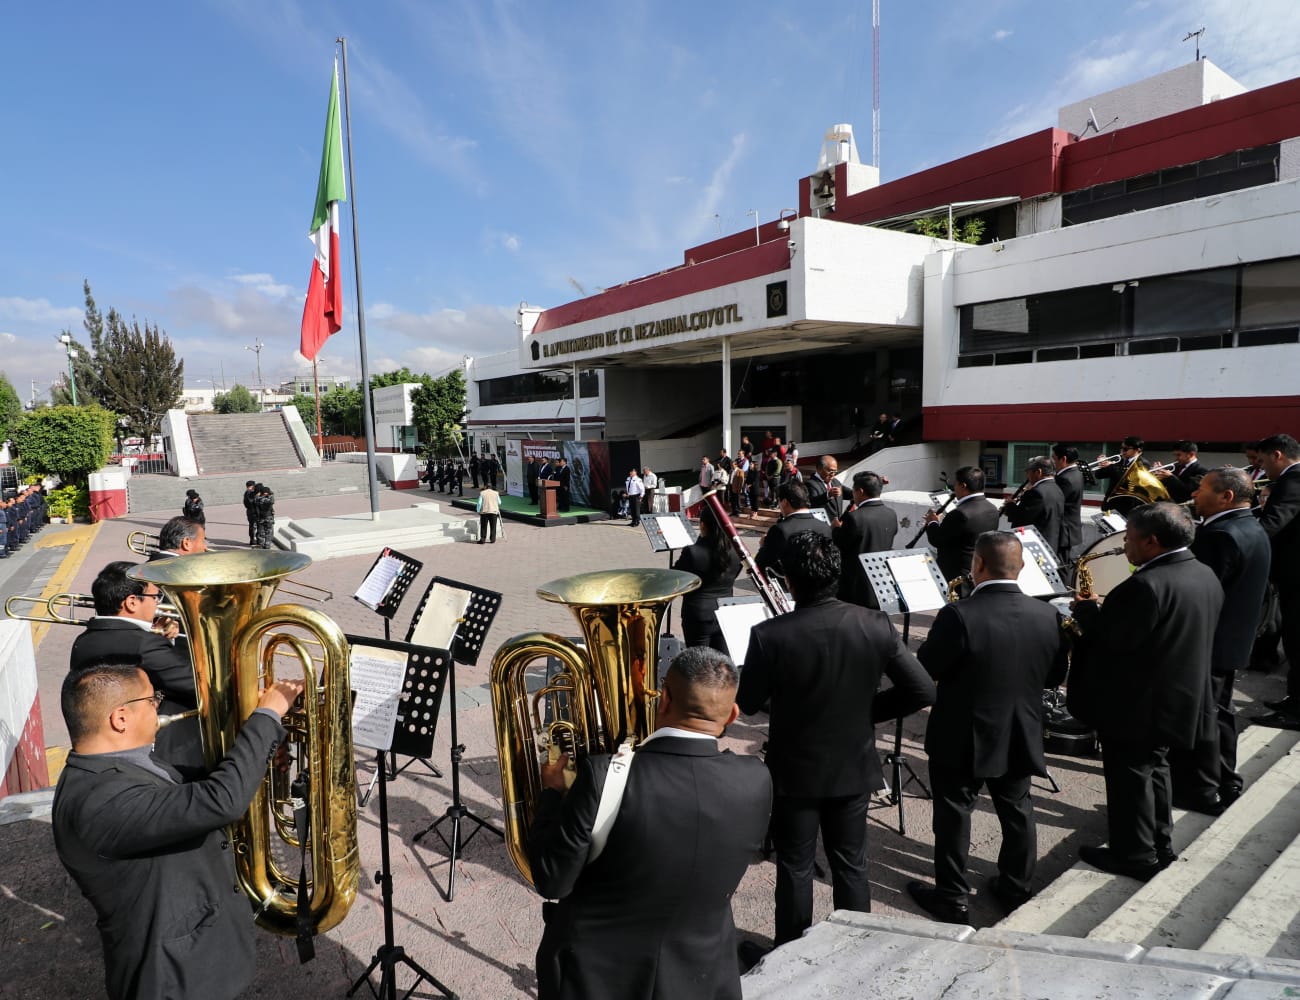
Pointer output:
x,y
1240,418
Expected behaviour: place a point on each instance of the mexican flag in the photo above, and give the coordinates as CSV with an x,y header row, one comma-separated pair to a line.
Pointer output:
x,y
323,313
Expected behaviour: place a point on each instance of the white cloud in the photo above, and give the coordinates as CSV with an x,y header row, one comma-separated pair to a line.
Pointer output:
x,y
511,242
8,338
38,311
719,186
1002,34
263,283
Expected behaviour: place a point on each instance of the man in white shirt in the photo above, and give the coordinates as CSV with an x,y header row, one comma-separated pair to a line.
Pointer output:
x,y
651,482
635,489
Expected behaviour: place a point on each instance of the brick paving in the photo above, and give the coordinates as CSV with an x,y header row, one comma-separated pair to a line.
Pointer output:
x,y
482,943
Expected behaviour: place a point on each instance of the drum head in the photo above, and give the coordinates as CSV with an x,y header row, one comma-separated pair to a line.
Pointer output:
x,y
1108,571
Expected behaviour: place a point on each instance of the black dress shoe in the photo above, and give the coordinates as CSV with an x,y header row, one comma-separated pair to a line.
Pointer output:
x,y
1103,859
1287,706
944,910
1207,807
1165,858
1278,720
749,954
1009,896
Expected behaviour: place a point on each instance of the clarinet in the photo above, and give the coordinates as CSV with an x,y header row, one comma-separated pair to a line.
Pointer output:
x,y
919,534
773,596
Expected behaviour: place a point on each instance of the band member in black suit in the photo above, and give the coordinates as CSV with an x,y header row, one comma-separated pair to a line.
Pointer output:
x,y
714,560
1280,456
123,631
954,537
824,491
1041,505
530,478
651,915
1230,541
146,843
867,526
991,656
250,509
820,667
1130,451
1141,678
565,477
181,536
1181,481
1069,477
792,498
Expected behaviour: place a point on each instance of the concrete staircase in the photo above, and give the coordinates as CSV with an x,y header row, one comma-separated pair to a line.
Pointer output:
x,y
1221,923
167,493
1220,862
242,442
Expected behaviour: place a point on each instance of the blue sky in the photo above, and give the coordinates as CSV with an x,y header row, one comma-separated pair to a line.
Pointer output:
x,y
505,151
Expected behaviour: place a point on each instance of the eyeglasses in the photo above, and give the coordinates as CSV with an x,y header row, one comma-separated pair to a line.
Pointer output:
x,y
156,698
155,596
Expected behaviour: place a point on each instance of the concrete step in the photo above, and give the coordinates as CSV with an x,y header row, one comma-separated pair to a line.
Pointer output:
x,y
165,494
1182,906
1264,920
239,442
1082,897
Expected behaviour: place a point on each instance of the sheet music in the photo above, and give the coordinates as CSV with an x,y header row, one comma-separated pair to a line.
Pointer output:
x,y
443,609
377,676
916,583
736,620
1032,580
375,587
674,531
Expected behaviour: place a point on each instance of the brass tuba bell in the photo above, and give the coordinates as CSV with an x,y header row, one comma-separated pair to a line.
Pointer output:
x,y
602,695
1136,488
222,599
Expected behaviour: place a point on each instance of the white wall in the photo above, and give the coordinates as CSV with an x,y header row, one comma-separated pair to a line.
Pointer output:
x,y
393,411
1255,224
856,274
179,446
1183,87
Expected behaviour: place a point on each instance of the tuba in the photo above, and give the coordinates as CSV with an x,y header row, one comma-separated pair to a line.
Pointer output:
x,y
222,599
602,694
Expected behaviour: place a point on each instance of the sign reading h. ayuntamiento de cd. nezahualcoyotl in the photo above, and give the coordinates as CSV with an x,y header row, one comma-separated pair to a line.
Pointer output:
x,y
702,319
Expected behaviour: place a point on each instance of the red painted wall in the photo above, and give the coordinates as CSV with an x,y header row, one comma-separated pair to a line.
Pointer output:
x,y
1240,418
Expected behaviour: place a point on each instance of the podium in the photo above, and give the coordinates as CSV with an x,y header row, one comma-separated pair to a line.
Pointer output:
x,y
550,498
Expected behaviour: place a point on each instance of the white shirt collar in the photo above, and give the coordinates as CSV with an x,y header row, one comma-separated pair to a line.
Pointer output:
x,y
990,583
688,734
1215,517
969,496
1163,555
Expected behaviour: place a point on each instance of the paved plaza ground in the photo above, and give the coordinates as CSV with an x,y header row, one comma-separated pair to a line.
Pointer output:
x,y
482,943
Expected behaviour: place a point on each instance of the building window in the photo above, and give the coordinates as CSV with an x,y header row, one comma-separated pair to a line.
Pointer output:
x,y
536,387
1248,305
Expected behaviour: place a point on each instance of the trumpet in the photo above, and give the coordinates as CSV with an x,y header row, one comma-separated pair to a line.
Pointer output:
x,y
1092,467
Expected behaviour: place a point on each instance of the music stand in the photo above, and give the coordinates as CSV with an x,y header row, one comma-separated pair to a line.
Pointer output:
x,y
466,630
895,577
668,533
385,585
385,714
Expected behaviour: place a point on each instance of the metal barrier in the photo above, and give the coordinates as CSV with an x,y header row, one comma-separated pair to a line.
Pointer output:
x,y
154,463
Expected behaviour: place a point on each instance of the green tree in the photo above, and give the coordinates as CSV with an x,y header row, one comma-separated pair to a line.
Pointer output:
x,y
967,230
438,407
11,407
69,441
306,404
237,400
340,411
130,369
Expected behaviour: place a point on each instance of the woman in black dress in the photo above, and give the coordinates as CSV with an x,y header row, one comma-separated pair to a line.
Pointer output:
x,y
713,559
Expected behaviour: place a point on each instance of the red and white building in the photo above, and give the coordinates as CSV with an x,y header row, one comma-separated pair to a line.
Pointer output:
x,y
1139,273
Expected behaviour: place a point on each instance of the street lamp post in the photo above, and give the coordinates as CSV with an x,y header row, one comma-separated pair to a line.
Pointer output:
x,y
261,389
66,341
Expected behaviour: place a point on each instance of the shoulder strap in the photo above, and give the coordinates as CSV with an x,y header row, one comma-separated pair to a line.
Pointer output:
x,y
611,798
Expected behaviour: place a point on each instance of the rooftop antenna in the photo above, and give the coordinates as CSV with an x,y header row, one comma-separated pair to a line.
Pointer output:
x,y
875,83
1197,35
1092,123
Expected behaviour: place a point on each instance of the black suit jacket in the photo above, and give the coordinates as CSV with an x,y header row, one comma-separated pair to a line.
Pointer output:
x,y
717,579
1141,671
1236,548
1278,517
774,542
954,536
1043,507
821,666
819,496
870,527
1070,482
169,669
152,857
991,656
650,919
1182,484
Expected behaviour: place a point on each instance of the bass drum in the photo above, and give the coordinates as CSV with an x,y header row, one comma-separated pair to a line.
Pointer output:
x,y
1108,571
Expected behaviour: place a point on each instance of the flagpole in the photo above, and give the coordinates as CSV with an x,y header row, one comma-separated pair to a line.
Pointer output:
x,y
367,416
320,438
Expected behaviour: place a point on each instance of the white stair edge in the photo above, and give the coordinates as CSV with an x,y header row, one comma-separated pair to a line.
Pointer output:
x,y
1252,927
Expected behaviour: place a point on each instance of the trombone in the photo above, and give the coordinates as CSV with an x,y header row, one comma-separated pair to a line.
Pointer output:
x,y
62,608
143,543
